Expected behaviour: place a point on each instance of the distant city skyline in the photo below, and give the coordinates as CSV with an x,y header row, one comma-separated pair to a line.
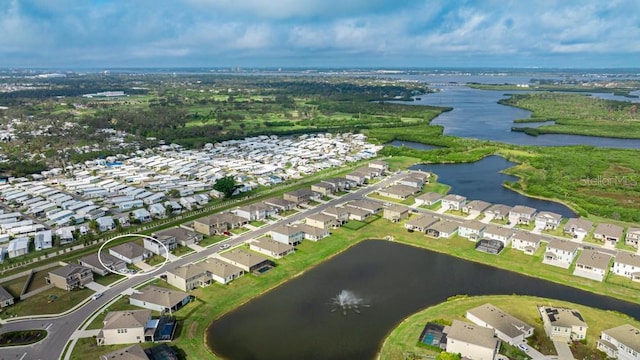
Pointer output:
x,y
320,34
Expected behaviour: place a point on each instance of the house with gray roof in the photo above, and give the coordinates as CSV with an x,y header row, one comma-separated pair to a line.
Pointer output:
x,y
428,199
370,206
472,229
133,352
547,220
472,341
507,327
245,260
521,214
159,299
498,233
399,192
621,342
188,277
633,237
70,277
321,221
442,229
300,196
313,233
286,234
126,327
592,264
560,253
563,324
608,233
109,262
272,248
340,214
453,202
526,242
627,264
578,228
324,188
220,271
280,204
395,212
498,211
475,205
130,252
6,299
182,236
421,223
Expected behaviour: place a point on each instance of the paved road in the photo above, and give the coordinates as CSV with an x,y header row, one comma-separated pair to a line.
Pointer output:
x,y
62,328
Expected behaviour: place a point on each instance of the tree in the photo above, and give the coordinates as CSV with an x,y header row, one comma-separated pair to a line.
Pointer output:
x,y
225,185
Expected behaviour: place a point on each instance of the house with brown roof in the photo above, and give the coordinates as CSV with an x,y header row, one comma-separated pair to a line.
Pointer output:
x,y
560,253
358,214
321,221
379,164
526,242
373,207
280,204
415,179
453,202
498,211
442,229
340,214
395,212
428,199
507,327
521,214
286,234
70,277
472,341
109,263
133,352
126,327
562,324
399,192
627,264
621,342
357,176
499,233
472,229
218,223
313,233
340,183
578,228
182,236
592,265
159,299
633,237
257,211
475,205
608,233
220,271
300,196
6,299
246,261
547,220
270,247
188,277
130,252
324,188
421,223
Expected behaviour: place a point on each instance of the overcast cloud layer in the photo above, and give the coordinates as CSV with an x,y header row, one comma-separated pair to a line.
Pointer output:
x,y
320,33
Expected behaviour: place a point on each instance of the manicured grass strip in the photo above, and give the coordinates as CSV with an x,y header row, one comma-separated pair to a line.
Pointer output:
x,y
18,338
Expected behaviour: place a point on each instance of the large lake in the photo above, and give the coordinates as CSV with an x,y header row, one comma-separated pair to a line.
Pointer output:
x,y
482,180
297,321
477,114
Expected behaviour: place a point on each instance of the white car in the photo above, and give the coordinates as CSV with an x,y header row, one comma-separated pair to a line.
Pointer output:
x,y
523,347
224,246
96,296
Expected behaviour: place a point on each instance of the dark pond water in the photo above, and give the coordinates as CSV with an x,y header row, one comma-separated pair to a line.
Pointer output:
x,y
482,180
476,114
413,145
296,321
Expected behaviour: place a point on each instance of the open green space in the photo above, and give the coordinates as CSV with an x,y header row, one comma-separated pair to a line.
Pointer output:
x,y
52,301
182,250
107,279
405,337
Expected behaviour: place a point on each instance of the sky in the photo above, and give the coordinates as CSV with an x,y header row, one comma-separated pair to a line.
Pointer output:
x,y
320,33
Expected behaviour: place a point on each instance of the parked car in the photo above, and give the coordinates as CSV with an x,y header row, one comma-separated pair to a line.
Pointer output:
x,y
227,233
96,296
523,347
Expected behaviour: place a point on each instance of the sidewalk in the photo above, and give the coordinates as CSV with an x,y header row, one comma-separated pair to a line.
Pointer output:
x,y
84,334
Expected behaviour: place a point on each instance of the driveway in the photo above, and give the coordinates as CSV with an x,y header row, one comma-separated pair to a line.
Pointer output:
x,y
487,219
96,287
472,215
144,266
196,248
562,348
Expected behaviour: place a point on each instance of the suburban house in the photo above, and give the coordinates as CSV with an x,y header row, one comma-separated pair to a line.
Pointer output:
x,y
608,233
158,211
453,202
472,229
280,204
188,277
472,341
507,327
395,212
321,221
475,205
526,242
218,223
498,211
442,229
592,265
141,215
499,233
560,253
358,214
136,352
415,179
324,188
339,183
521,214
130,252
109,262
43,240
578,228
633,237
357,176
246,261
379,164
627,264
70,277
547,220
257,211
159,299
313,233
421,223
106,223
562,324
221,271
290,235
6,299
270,247
18,247
621,342
373,207
300,196
399,192
182,236
156,247
428,199
340,214
134,326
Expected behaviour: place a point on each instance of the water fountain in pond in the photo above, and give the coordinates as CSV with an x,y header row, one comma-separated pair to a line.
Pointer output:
x,y
347,301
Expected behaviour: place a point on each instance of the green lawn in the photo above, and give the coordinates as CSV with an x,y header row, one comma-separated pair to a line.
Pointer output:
x,y
210,240
119,305
405,337
238,231
288,212
354,225
86,346
258,223
155,260
107,279
182,250
14,287
44,302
